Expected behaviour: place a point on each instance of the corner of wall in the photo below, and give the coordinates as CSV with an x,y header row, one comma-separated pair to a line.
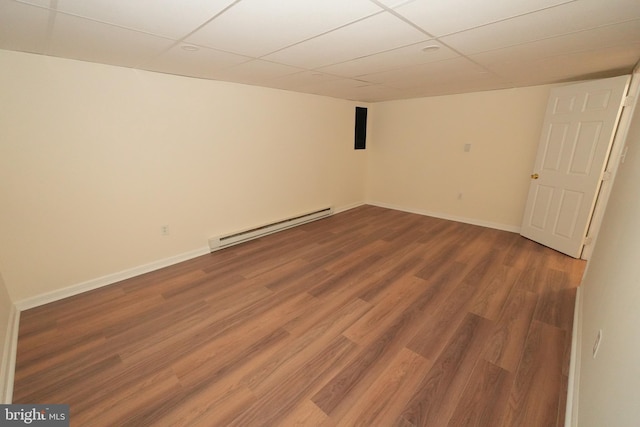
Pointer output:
x,y
8,362
350,206
465,220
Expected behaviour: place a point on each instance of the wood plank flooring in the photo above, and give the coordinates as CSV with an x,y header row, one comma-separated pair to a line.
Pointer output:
x,y
372,317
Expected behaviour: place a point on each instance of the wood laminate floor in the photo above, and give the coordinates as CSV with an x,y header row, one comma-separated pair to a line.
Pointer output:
x,y
372,317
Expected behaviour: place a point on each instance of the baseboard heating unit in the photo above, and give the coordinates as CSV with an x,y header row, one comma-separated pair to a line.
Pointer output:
x,y
220,242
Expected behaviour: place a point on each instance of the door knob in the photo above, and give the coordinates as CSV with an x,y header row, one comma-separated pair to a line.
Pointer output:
x,y
535,176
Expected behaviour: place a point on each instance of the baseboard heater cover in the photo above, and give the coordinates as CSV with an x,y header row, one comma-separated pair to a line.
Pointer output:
x,y
220,242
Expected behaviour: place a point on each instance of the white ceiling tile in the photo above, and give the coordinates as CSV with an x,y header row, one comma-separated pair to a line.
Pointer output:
x,y
626,33
168,18
392,59
608,61
353,41
23,27
335,84
301,79
359,94
254,72
42,3
258,27
439,17
202,63
354,49
394,3
565,19
444,82
450,69
86,40
449,88
376,93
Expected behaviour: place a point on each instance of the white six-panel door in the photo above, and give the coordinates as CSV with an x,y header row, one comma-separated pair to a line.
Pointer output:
x,y
577,134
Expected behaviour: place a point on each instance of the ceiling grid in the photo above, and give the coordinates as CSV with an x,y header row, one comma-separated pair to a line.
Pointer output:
x,y
364,50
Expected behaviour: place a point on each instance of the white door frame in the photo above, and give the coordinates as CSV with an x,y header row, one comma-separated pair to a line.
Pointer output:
x,y
616,156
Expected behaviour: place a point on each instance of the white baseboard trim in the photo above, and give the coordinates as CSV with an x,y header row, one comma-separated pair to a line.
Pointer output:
x,y
8,362
348,207
571,411
109,279
472,221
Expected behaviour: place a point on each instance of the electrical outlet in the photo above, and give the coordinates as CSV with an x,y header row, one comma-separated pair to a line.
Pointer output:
x,y
164,230
459,196
596,343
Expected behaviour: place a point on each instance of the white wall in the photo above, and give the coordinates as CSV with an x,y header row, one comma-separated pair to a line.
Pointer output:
x,y
417,158
94,159
609,388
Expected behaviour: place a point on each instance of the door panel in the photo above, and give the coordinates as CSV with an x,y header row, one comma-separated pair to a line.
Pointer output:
x,y
584,149
555,143
575,142
541,208
570,203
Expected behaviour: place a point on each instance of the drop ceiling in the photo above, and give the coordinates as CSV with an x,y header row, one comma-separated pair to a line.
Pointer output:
x,y
364,50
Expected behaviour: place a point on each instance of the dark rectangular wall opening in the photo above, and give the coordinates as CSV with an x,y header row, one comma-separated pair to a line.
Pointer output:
x,y
361,128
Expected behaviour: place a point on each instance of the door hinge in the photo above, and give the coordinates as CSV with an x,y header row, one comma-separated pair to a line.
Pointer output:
x,y
606,176
588,240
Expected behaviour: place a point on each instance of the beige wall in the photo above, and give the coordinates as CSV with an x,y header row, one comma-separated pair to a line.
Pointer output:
x,y
5,311
5,308
608,391
95,159
417,159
